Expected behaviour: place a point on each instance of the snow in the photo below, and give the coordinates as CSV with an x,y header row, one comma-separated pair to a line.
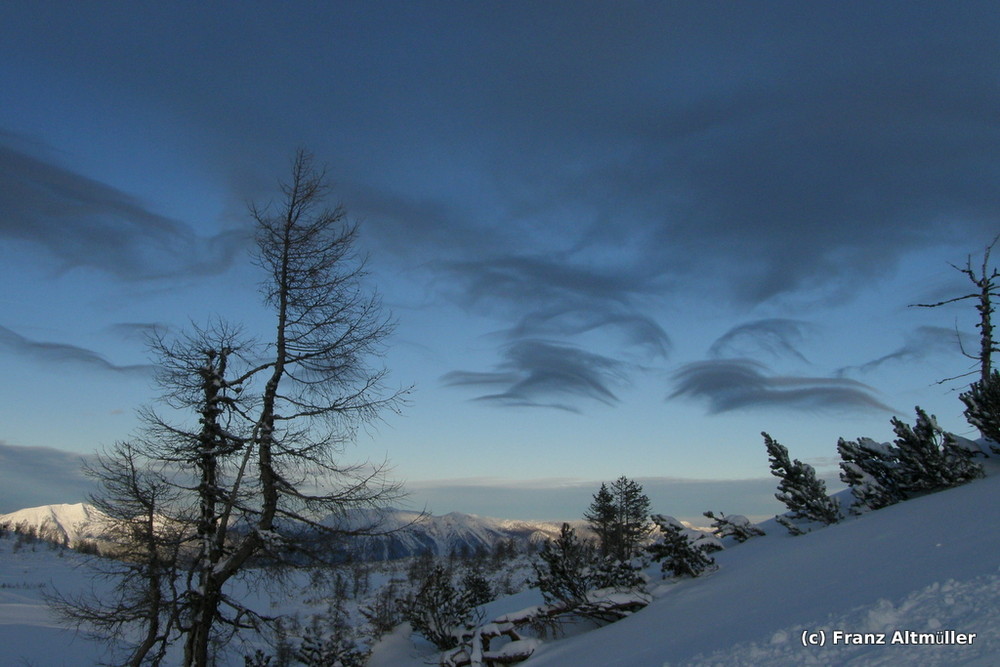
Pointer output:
x,y
927,566
62,523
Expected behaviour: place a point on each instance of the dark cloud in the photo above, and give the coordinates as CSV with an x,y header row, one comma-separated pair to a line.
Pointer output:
x,y
82,222
33,476
919,344
137,331
536,373
61,353
537,280
635,328
734,384
553,299
777,337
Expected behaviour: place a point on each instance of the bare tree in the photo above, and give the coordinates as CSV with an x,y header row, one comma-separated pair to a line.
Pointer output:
x,y
985,280
258,474
143,562
318,389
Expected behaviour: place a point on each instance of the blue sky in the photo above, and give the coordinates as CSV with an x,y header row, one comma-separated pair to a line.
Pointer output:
x,y
618,238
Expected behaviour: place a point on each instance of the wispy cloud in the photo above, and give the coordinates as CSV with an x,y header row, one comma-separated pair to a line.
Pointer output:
x,y
634,328
137,331
537,373
776,337
734,384
920,344
63,353
82,222
555,303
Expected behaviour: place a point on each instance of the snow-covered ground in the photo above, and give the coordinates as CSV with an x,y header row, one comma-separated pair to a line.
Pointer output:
x,y
928,565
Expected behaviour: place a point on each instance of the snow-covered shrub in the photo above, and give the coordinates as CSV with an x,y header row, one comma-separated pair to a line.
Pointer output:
x,y
982,407
735,526
929,457
476,588
565,571
574,580
333,646
385,611
439,611
871,469
800,490
682,552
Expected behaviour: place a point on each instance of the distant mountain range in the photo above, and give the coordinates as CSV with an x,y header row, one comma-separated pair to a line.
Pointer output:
x,y
405,533
64,524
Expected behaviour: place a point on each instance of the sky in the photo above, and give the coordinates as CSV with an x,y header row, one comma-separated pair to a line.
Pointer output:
x,y
618,238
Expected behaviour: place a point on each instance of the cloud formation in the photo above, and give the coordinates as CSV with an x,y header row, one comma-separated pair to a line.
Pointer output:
x,y
538,373
735,384
62,353
919,344
82,222
776,337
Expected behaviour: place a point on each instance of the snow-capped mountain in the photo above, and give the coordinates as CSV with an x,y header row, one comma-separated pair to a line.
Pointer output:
x,y
406,533
411,533
64,524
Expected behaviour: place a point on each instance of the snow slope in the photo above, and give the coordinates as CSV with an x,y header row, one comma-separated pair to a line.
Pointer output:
x,y
926,564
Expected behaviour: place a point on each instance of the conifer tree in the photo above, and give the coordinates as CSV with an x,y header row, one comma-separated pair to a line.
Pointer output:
x,y
439,611
565,573
929,457
800,490
602,517
676,552
736,526
871,470
982,407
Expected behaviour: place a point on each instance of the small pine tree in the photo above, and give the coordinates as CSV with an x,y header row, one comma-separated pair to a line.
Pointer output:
x,y
476,588
676,551
982,408
871,470
735,526
618,574
332,648
565,572
601,516
439,611
632,524
930,458
800,490
385,611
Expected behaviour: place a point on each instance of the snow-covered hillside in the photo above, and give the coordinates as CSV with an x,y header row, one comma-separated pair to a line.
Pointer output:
x,y
65,524
407,533
925,565
928,565
456,533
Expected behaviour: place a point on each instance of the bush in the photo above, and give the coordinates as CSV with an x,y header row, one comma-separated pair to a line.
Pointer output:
x,y
982,407
930,458
439,611
735,526
800,490
678,551
871,470
565,572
